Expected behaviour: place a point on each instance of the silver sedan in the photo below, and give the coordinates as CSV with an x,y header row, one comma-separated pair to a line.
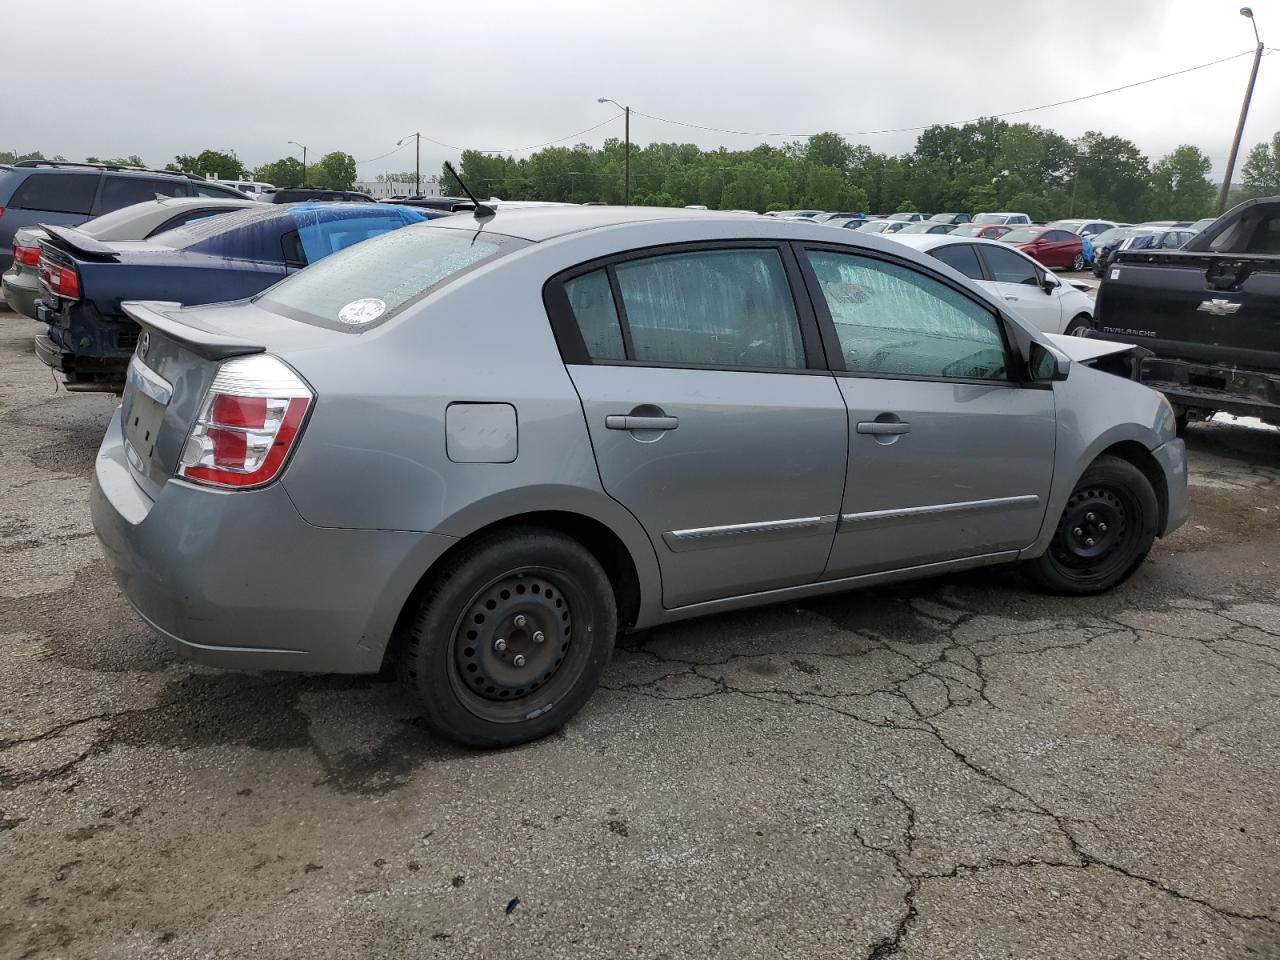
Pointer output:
x,y
482,447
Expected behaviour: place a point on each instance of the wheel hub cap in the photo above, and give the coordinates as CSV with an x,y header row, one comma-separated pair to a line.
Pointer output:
x,y
1092,526
513,637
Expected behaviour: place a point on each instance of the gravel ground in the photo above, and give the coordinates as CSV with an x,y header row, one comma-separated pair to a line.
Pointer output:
x,y
958,768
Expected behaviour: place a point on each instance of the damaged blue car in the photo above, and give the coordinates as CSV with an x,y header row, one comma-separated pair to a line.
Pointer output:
x,y
88,338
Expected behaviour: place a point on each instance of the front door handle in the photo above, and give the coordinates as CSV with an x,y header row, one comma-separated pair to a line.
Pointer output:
x,y
1013,299
884,428
630,422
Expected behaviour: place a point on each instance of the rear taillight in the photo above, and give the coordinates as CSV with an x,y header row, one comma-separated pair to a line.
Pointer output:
x,y
27,256
249,421
61,281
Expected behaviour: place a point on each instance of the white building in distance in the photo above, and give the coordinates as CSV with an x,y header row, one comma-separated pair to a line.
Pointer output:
x,y
381,189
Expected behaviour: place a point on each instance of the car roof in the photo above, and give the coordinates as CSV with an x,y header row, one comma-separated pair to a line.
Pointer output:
x,y
546,223
924,242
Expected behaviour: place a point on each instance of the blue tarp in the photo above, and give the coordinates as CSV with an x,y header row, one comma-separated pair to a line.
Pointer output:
x,y
325,228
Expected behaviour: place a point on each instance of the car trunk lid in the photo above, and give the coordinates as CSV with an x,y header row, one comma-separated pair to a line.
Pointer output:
x,y
178,356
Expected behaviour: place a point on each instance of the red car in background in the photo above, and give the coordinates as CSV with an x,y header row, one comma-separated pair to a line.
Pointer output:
x,y
987,231
1057,249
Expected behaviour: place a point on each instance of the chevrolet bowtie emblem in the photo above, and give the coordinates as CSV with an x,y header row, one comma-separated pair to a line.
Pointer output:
x,y
1219,308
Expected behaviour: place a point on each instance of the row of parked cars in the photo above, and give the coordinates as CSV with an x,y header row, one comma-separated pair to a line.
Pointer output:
x,y
481,442
1073,244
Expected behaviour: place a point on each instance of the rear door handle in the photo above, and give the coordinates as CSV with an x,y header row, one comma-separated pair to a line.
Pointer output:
x,y
881,428
629,422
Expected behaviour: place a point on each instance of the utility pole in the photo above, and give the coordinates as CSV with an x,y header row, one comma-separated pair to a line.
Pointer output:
x,y
417,161
304,161
626,155
1244,113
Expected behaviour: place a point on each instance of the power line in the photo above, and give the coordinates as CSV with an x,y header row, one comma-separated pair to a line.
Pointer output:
x,y
535,146
954,123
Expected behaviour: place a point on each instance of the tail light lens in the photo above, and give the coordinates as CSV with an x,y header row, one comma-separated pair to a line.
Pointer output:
x,y
27,256
61,281
249,422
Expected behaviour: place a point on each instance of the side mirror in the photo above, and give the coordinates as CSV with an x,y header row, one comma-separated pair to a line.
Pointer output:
x,y
1048,283
1048,365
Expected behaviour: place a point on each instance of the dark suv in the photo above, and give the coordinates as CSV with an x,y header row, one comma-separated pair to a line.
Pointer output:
x,y
303,194
68,194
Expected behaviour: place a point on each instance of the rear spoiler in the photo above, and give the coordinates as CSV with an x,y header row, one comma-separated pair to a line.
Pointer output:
x,y
211,344
76,241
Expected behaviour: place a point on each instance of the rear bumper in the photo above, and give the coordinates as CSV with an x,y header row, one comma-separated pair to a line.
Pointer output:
x,y
1172,457
88,348
239,580
1204,386
21,291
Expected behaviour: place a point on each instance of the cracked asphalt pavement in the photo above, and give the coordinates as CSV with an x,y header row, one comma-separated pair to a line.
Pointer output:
x,y
958,768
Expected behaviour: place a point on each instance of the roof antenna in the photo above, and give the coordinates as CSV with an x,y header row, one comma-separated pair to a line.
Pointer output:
x,y
482,212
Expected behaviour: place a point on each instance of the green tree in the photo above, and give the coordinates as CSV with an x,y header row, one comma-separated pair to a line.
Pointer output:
x,y
282,173
14,156
1260,175
212,163
1180,185
336,171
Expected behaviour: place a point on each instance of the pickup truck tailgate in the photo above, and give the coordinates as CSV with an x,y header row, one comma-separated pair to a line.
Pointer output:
x,y
1209,307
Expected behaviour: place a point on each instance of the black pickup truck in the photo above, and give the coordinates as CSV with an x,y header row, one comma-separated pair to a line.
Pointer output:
x,y
1210,314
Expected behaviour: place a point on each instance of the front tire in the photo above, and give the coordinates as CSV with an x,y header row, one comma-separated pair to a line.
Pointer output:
x,y
510,642
1080,326
1105,532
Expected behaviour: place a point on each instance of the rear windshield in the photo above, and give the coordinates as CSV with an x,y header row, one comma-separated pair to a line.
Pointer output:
x,y
989,218
369,283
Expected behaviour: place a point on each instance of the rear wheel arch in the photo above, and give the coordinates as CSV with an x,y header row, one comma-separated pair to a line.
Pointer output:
x,y
602,542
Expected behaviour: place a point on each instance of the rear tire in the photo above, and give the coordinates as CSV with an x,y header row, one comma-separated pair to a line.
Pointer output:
x,y
1078,263
510,642
1105,532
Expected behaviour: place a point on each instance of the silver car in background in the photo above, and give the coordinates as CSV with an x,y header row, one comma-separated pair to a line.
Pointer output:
x,y
139,221
483,447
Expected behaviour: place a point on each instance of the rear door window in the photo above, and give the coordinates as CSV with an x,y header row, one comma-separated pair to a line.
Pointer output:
x,y
56,192
119,192
721,308
962,257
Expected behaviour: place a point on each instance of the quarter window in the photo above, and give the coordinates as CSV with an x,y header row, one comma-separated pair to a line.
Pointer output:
x,y
1008,267
591,299
726,308
892,320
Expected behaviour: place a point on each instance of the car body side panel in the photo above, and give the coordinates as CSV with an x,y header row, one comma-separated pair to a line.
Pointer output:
x,y
323,601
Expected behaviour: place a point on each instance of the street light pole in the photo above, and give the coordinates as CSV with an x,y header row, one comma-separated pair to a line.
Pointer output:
x,y
1244,113
417,161
304,161
626,149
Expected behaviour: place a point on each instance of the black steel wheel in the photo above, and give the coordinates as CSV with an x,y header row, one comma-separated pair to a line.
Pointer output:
x,y
511,641
1105,531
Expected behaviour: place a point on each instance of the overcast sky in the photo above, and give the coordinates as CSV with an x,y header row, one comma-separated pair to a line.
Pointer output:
x,y
159,79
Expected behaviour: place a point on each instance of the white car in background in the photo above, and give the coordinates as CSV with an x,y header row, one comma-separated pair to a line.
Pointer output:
x,y
1028,289
1083,228
1001,218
